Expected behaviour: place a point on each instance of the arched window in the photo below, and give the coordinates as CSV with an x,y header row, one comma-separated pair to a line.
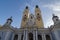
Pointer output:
x,y
38,16
22,37
48,37
16,37
30,36
25,17
39,37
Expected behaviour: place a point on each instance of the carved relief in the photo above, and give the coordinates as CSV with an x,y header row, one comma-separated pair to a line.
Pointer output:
x,y
24,18
38,17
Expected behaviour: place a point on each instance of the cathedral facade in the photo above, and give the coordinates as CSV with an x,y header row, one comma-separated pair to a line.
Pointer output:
x,y
32,28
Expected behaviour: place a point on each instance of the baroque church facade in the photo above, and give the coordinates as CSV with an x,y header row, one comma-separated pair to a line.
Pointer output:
x,y
32,28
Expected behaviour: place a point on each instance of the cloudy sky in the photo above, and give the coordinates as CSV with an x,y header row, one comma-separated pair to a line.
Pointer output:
x,y
15,9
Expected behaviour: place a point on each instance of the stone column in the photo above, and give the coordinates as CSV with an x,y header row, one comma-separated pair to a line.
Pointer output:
x,y
51,37
19,36
56,35
13,37
7,35
26,35
24,38
36,35
43,37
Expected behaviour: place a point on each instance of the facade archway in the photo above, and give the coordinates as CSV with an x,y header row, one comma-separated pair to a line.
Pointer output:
x,y
48,37
16,37
30,35
39,37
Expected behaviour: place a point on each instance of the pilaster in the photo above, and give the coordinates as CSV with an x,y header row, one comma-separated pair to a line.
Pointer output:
x,y
13,37
43,37
19,36
24,36
36,35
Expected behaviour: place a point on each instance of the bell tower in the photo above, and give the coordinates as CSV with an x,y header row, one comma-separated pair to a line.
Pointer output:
x,y
25,17
39,22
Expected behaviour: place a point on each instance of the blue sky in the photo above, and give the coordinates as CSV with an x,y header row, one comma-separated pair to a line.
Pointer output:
x,y
15,9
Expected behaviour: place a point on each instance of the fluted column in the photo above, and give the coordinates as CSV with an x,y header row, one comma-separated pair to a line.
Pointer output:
x,y
13,37
36,35
19,36
50,36
26,35
43,37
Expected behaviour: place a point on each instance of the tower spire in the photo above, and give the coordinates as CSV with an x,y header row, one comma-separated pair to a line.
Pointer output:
x,y
25,16
39,21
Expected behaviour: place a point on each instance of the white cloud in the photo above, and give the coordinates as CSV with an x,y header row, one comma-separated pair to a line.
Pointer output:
x,y
53,7
49,23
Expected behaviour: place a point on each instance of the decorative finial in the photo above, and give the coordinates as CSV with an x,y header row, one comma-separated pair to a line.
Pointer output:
x,y
36,6
26,7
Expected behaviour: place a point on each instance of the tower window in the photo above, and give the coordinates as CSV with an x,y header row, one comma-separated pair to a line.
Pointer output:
x,y
38,14
38,17
24,18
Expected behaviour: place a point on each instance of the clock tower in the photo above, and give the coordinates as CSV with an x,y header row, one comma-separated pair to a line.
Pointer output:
x,y
39,22
25,17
